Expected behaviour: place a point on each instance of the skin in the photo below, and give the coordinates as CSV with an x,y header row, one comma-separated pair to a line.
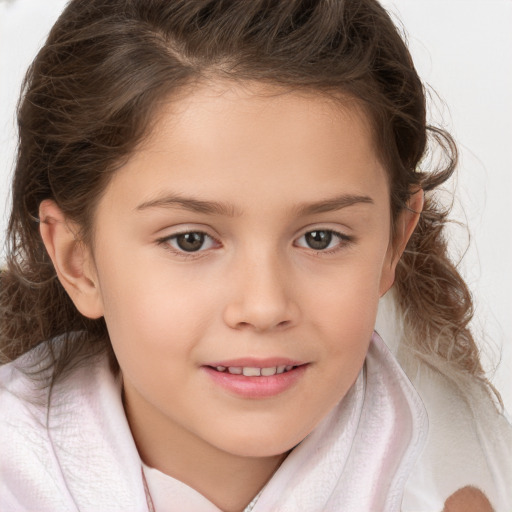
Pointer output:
x,y
256,288
468,499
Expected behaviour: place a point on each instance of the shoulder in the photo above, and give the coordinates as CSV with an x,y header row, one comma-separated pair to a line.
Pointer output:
x,y
469,446
30,468
22,388
67,446
24,443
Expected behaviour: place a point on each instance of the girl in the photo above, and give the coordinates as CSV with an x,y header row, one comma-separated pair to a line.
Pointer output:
x,y
209,201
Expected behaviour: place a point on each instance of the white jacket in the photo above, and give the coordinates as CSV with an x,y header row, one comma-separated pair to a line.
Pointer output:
x,y
373,452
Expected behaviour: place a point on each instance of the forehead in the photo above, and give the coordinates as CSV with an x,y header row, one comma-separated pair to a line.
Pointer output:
x,y
249,142
254,107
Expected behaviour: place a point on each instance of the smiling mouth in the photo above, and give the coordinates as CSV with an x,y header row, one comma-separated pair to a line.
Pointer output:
x,y
249,371
256,380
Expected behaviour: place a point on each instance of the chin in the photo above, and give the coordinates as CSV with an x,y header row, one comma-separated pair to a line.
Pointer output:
x,y
256,444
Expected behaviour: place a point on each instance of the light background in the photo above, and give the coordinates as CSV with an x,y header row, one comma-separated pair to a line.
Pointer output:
x,y
463,49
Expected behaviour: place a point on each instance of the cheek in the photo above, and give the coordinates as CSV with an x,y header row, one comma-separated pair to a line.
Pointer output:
x,y
348,296
146,304
343,311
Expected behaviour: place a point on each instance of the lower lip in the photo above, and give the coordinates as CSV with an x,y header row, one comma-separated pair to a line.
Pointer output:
x,y
256,387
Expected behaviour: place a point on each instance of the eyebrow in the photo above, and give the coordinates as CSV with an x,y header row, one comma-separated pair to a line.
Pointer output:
x,y
191,204
333,204
219,208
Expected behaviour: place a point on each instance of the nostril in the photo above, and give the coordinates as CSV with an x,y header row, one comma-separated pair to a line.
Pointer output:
x,y
260,315
260,327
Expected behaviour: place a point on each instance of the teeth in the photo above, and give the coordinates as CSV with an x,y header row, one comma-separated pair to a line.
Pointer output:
x,y
249,371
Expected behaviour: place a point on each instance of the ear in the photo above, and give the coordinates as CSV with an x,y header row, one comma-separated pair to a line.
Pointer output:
x,y
405,225
71,258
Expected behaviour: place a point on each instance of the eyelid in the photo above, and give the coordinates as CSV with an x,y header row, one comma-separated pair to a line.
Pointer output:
x,y
343,240
165,242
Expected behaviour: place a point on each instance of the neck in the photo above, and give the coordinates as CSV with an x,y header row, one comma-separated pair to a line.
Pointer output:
x,y
229,481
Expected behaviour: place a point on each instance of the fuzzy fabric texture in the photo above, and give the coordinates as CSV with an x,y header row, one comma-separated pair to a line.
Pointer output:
x,y
374,451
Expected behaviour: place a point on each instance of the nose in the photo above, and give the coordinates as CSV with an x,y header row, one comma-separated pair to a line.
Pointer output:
x,y
261,297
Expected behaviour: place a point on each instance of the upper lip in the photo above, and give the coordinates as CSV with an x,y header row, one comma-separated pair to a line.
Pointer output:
x,y
251,362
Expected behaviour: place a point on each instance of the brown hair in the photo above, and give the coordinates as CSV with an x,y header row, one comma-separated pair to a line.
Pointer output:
x,y
88,98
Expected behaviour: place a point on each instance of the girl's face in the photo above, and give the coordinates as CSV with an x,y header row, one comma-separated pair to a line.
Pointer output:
x,y
251,232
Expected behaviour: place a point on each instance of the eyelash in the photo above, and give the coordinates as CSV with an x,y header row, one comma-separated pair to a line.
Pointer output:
x,y
343,241
166,243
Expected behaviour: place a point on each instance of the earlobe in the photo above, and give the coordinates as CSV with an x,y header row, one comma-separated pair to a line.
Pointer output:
x,y
405,225
71,259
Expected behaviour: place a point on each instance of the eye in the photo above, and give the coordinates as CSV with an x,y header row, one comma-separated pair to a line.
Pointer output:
x,y
191,241
322,239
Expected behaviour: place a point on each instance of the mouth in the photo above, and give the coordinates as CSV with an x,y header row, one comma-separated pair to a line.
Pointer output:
x,y
247,379
254,371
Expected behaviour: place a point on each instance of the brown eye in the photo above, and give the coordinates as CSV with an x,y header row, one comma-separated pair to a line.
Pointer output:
x,y
318,240
190,242
325,240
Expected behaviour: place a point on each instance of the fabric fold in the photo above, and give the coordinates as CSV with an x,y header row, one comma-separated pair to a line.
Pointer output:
x,y
360,456
82,455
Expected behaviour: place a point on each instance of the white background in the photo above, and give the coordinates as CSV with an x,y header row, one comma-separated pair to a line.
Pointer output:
x,y
463,49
